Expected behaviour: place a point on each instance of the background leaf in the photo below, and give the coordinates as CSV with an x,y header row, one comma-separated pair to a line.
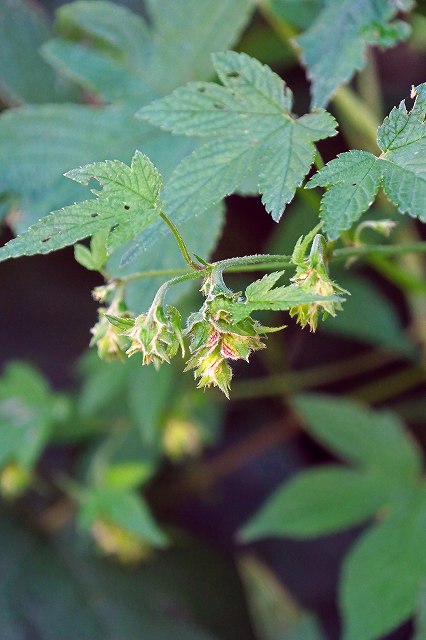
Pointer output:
x,y
318,502
372,439
333,48
383,572
24,75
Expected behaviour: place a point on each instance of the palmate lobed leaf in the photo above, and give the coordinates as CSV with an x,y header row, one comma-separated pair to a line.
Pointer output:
x,y
122,59
250,130
354,178
126,204
333,48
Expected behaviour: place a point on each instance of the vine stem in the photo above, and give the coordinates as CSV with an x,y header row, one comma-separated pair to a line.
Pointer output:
x,y
261,262
182,246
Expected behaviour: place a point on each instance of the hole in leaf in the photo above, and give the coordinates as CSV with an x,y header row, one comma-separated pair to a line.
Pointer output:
x,y
126,206
46,239
94,215
233,74
114,227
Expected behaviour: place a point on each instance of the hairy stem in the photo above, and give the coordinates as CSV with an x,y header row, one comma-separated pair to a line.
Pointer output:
x,y
182,246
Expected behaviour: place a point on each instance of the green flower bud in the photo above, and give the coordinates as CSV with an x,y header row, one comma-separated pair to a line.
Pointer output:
x,y
157,335
316,281
110,343
125,545
14,480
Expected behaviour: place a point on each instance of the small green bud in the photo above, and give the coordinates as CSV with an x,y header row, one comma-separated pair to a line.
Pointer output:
x,y
14,480
181,438
125,545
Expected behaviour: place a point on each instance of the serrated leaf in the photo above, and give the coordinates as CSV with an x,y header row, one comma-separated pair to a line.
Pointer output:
x,y
383,573
374,440
354,177
260,295
333,48
125,509
318,502
24,75
126,204
252,131
37,145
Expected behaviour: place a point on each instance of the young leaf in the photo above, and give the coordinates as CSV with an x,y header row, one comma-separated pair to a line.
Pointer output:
x,y
333,48
127,203
251,129
371,439
383,573
260,295
354,177
318,502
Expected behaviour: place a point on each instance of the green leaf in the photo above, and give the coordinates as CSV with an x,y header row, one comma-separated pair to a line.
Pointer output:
x,y
26,414
383,573
24,75
252,131
333,48
260,295
127,203
298,13
54,589
123,508
374,440
120,58
39,144
318,502
369,317
354,177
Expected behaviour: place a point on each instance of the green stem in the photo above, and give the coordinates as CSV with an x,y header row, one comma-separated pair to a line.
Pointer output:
x,y
360,125
379,249
282,384
159,296
397,275
259,261
391,386
181,243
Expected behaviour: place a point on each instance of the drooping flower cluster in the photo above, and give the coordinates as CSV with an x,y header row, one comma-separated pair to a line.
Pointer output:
x,y
312,277
157,335
216,338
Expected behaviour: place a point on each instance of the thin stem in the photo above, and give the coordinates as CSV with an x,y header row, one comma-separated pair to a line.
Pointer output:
x,y
391,386
283,384
190,275
360,125
318,161
379,249
181,243
258,259
397,275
